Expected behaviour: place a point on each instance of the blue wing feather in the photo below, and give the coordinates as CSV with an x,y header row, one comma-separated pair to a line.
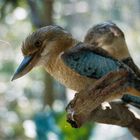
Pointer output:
x,y
89,63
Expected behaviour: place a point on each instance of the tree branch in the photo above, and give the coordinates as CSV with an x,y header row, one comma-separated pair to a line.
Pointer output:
x,y
119,114
86,104
107,88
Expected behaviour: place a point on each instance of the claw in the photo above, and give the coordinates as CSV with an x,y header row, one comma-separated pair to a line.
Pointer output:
x,y
106,105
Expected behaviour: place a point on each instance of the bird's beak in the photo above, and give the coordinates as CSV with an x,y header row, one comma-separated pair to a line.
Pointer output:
x,y
26,65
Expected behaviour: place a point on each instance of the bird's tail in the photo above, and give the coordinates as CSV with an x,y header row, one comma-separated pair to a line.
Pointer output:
x,y
130,99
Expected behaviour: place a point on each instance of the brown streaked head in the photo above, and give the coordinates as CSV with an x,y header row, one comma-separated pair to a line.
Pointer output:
x,y
39,45
103,33
110,37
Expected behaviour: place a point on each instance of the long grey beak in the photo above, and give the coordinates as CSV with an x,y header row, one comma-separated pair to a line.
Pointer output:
x,y
26,65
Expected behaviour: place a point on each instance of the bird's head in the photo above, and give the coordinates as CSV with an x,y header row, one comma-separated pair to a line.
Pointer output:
x,y
103,34
40,45
110,37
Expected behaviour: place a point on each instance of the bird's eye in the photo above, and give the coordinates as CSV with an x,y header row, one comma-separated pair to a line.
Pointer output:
x,y
38,43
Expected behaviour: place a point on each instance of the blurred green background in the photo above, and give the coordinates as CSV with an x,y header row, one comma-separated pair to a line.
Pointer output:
x,y
33,107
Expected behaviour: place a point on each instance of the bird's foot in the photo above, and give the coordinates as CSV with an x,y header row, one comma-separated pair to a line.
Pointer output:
x,y
105,105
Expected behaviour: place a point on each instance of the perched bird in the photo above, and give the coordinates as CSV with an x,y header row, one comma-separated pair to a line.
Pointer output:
x,y
75,64
44,47
110,37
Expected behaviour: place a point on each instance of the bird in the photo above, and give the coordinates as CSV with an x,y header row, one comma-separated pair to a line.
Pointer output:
x,y
75,64
110,37
44,47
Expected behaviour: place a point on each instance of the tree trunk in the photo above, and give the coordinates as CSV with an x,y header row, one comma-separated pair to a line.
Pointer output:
x,y
40,20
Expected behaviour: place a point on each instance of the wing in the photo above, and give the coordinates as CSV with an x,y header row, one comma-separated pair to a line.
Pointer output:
x,y
89,61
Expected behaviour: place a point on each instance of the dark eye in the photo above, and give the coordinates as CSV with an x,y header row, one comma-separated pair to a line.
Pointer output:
x,y
38,43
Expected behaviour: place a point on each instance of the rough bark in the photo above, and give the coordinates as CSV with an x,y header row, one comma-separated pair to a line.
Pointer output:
x,y
86,105
119,115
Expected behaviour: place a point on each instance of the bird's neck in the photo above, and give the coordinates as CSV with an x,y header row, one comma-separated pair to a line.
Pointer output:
x,y
56,54
118,49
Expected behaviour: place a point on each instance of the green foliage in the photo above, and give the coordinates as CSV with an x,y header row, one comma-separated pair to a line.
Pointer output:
x,y
71,133
7,67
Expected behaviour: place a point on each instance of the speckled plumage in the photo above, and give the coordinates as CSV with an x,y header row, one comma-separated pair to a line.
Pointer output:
x,y
89,63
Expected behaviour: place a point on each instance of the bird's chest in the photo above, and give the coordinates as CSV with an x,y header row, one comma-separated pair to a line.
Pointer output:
x,y
68,77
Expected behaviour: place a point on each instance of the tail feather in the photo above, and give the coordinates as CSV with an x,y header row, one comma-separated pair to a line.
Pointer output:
x,y
133,100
